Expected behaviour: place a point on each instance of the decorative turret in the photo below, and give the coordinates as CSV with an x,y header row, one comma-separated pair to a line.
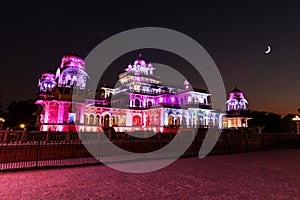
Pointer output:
x,y
46,83
140,66
71,72
236,101
236,110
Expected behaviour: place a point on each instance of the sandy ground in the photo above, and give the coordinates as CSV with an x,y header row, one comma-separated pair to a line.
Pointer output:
x,y
258,175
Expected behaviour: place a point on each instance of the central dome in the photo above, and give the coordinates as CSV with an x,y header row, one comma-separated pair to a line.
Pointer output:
x,y
140,61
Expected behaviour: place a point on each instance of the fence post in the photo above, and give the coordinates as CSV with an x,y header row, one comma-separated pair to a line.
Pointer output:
x,y
37,152
23,136
47,136
6,133
68,135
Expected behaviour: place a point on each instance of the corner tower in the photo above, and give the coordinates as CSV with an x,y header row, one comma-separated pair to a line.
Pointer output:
x,y
236,110
72,71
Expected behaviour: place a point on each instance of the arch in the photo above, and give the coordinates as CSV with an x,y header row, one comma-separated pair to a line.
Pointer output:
x,y
200,119
216,122
136,120
171,120
149,104
183,120
105,120
243,104
113,120
137,103
148,120
91,119
177,121
123,120
86,119
97,119
71,118
68,79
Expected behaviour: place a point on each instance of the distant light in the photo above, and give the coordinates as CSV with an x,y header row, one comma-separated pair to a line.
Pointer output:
x,y
22,126
296,118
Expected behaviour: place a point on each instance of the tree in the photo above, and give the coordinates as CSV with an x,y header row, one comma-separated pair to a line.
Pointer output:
x,y
265,121
287,124
258,120
273,123
21,112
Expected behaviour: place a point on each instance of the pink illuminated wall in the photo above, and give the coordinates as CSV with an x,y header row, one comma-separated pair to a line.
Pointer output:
x,y
147,105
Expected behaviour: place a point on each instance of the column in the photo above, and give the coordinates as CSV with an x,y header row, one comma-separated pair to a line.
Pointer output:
x,y
82,111
46,107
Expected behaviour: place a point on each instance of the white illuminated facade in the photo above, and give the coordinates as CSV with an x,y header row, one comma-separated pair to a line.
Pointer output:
x,y
139,102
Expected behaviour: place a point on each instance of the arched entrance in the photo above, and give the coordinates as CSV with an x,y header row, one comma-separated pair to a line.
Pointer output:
x,y
148,120
200,119
105,120
136,120
149,104
137,103
171,120
183,120
113,120
86,119
177,121
91,120
97,119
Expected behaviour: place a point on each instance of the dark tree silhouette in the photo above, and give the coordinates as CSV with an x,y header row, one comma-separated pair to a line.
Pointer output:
x,y
21,112
287,124
265,121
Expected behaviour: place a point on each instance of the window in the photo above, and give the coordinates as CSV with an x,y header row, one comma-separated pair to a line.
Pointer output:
x,y
137,103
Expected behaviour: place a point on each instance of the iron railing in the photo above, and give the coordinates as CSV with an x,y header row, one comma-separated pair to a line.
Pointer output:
x,y
24,149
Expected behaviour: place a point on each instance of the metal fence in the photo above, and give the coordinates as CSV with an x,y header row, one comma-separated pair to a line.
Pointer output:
x,y
23,149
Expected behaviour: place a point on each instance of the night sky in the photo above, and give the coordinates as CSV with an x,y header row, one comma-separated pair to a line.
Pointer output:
x,y
34,36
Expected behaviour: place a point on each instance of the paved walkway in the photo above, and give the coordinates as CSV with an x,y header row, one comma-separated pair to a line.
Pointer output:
x,y
259,175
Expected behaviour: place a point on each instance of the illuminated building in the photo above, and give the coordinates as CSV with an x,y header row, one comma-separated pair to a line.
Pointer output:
x,y
236,110
139,101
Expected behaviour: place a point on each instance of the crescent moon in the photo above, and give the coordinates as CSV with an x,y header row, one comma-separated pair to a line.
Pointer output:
x,y
268,49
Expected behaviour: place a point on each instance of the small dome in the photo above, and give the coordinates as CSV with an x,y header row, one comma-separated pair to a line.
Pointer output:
x,y
48,75
140,61
72,60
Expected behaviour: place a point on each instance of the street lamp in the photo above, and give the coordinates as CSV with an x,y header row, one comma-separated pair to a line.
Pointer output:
x,y
22,125
297,120
1,122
